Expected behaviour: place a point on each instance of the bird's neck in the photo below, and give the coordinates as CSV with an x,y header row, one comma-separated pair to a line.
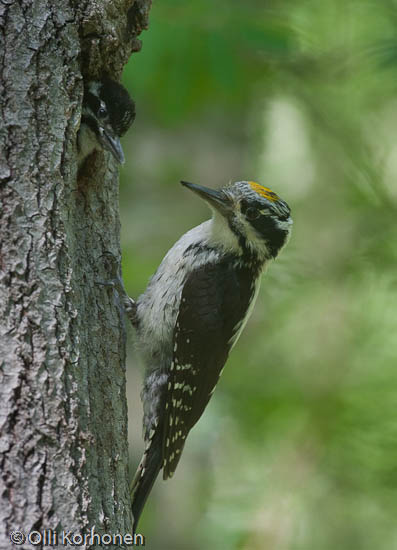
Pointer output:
x,y
220,236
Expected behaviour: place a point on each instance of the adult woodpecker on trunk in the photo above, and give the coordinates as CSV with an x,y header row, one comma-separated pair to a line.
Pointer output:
x,y
192,313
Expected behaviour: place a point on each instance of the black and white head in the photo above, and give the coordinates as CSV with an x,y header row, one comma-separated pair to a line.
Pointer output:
x,y
249,218
108,112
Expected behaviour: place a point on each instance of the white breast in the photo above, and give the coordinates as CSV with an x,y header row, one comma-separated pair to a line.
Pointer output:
x,y
158,306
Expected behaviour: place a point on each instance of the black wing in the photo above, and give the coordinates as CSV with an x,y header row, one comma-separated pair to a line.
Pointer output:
x,y
214,300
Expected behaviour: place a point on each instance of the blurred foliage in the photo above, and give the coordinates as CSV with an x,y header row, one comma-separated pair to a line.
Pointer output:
x,y
298,448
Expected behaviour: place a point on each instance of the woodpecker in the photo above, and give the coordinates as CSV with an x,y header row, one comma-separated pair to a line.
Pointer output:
x,y
192,313
107,113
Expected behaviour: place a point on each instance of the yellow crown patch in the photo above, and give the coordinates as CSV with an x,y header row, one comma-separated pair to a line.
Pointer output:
x,y
264,191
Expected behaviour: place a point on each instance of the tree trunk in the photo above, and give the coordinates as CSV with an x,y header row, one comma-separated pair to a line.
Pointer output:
x,y
63,412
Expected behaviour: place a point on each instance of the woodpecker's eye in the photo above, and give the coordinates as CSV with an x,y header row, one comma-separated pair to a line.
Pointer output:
x,y
102,112
252,213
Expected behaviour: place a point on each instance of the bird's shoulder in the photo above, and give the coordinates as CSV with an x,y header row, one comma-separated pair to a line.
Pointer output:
x,y
217,292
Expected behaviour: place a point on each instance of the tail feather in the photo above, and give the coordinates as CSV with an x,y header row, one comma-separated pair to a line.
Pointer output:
x,y
145,476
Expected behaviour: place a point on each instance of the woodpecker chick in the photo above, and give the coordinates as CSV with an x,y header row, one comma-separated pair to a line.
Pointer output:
x,y
107,113
192,313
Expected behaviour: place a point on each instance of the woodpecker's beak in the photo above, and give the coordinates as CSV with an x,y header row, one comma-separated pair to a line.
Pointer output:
x,y
111,143
216,199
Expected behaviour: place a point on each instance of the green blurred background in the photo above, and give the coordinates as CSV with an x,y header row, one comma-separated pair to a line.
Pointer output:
x,y
298,448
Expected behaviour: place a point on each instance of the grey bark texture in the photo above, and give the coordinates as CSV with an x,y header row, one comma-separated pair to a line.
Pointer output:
x,y
63,411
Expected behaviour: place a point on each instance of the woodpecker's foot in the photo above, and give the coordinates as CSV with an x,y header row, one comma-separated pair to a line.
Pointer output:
x,y
116,282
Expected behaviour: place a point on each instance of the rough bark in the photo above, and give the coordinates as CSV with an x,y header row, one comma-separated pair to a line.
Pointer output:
x,y
63,413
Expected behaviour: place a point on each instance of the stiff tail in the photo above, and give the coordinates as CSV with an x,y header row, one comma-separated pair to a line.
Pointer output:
x,y
145,476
